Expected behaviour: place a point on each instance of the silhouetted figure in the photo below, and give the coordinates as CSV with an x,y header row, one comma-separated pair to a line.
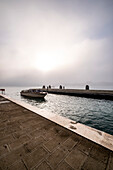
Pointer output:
x,y
60,87
49,87
87,87
43,87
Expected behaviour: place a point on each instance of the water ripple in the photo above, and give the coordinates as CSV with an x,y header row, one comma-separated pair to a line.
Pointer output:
x,y
92,112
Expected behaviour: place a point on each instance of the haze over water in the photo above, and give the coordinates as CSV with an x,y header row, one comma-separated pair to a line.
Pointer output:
x,y
56,42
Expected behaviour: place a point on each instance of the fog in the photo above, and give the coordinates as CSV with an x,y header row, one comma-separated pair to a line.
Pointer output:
x,y
56,42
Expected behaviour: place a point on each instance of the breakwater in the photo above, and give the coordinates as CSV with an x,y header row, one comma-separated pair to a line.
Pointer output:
x,y
96,94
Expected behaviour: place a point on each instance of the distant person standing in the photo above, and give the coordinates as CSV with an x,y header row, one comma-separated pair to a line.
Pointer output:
x,y
87,87
60,87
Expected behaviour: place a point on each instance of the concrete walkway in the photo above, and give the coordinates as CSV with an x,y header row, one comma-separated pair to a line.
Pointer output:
x,y
29,141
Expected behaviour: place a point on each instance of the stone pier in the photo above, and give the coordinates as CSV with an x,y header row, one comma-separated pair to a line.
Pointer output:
x,y
30,141
96,94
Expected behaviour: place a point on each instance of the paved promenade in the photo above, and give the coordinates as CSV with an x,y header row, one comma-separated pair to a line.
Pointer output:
x,y
29,141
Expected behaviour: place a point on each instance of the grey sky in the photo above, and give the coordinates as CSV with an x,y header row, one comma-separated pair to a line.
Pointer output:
x,y
56,41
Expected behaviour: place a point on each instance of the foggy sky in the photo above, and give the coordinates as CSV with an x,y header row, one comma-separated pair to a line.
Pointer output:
x,y
75,36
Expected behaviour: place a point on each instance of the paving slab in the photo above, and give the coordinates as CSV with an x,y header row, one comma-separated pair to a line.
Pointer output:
x,y
76,158
93,164
64,166
110,162
30,141
18,165
43,166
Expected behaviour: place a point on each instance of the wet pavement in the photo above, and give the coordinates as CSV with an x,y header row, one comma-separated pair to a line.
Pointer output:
x,y
30,141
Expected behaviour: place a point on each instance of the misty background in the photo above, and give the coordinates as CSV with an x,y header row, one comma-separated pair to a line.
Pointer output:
x,y
56,42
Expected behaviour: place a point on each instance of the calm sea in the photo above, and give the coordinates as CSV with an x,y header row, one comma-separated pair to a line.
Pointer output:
x,y
92,112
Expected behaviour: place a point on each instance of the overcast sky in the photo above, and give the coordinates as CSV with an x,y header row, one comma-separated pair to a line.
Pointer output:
x,y
56,42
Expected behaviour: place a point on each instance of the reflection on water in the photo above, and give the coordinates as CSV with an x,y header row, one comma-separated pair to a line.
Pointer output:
x,y
29,99
92,112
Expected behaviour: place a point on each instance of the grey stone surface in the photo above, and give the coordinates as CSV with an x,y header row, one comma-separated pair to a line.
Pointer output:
x,y
56,157
110,162
64,166
35,157
92,164
76,159
100,153
43,166
18,165
29,141
85,146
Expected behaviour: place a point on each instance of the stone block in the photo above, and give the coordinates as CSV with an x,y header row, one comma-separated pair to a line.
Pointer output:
x,y
85,146
76,137
17,166
18,142
34,143
36,133
110,162
3,150
43,166
52,144
35,157
93,164
56,157
69,144
64,166
76,159
19,133
12,157
56,141
51,132
6,140
2,134
100,153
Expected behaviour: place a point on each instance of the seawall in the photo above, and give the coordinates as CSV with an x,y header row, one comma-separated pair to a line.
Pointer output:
x,y
96,94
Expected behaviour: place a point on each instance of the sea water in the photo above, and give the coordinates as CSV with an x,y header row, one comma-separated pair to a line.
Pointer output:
x,y
91,112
